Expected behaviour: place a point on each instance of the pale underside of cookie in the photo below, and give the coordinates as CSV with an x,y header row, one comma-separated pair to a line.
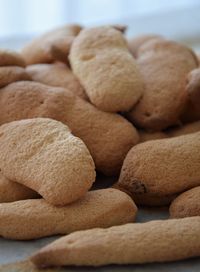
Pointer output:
x,y
31,219
108,136
187,204
101,60
162,167
164,66
11,191
51,46
154,241
11,58
58,75
9,74
43,155
192,111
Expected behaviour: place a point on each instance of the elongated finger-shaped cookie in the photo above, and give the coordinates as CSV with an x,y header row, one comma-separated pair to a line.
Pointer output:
x,y
187,204
192,111
162,167
35,218
154,241
11,58
148,136
11,191
43,155
58,75
136,42
185,129
165,97
9,74
101,60
107,136
51,46
148,199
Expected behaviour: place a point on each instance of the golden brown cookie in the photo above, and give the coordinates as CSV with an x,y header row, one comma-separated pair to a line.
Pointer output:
x,y
35,218
58,75
192,111
51,46
148,199
43,155
154,241
121,28
187,204
148,136
9,74
162,167
11,191
136,42
11,58
109,74
185,129
108,136
164,66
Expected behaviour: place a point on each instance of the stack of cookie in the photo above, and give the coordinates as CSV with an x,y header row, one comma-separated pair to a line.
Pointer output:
x,y
77,103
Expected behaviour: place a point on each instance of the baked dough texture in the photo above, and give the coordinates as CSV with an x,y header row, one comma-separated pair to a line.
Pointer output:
x,y
164,66
108,136
136,42
11,58
149,136
101,60
43,155
11,191
58,75
162,167
51,46
148,199
154,241
184,129
12,68
35,218
192,111
9,74
187,204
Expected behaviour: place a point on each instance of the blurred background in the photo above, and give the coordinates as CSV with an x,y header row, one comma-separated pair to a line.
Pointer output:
x,y
20,20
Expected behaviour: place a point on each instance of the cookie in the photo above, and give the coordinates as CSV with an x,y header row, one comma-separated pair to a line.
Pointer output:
x,y
187,204
58,75
185,129
192,111
35,218
108,136
51,46
148,136
148,199
136,42
121,28
43,155
9,74
11,191
100,58
162,167
154,241
164,66
11,58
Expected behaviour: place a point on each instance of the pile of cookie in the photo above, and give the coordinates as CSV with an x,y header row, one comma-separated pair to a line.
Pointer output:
x,y
77,103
